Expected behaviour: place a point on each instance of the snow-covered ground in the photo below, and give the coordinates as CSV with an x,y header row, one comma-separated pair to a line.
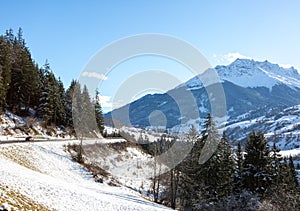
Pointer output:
x,y
291,152
13,127
45,173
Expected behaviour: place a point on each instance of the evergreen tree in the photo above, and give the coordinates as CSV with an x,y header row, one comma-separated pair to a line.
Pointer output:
x,y
36,93
74,92
2,92
294,183
52,108
24,85
173,186
15,97
88,113
98,113
45,109
83,113
257,163
209,159
210,137
189,183
286,195
276,160
201,167
9,35
68,105
225,168
61,103
23,77
239,160
5,65
285,177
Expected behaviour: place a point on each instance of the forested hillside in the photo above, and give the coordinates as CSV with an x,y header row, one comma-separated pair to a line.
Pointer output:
x,y
251,177
26,89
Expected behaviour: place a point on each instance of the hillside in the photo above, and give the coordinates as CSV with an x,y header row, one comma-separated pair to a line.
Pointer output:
x,y
43,176
13,127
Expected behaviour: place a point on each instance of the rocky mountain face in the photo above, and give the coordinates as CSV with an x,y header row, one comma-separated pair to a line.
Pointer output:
x,y
259,96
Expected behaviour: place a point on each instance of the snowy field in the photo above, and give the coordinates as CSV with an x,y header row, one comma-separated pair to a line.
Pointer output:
x,y
45,173
292,152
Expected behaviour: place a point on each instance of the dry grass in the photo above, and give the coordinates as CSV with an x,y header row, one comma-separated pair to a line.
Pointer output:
x,y
21,155
18,201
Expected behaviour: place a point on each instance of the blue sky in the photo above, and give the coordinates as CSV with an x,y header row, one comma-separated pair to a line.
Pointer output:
x,y
69,32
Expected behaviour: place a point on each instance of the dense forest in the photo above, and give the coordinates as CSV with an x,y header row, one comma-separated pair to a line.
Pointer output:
x,y
29,90
250,177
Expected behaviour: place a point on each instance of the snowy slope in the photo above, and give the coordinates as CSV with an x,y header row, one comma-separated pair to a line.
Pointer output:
x,y
45,173
250,73
281,126
13,127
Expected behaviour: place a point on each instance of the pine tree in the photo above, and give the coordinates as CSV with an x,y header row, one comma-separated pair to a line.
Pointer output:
x,y
294,183
276,160
172,184
61,109
36,93
210,137
83,113
24,85
201,179
239,160
5,64
209,159
188,182
15,97
173,188
98,113
284,176
69,104
286,195
23,77
74,93
9,35
257,163
225,168
88,113
45,109
2,92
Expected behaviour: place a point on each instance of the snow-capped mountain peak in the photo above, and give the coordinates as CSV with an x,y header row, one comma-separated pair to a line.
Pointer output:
x,y
250,73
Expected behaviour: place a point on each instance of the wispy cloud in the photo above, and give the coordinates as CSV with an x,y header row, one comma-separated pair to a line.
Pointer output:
x,y
107,104
229,57
94,75
105,101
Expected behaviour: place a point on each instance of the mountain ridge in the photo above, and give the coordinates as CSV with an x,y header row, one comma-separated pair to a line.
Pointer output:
x,y
245,72
252,89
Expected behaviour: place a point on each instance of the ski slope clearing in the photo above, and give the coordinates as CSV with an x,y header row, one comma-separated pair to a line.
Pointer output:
x,y
46,174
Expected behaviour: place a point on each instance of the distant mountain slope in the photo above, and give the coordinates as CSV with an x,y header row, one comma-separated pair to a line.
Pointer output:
x,y
252,89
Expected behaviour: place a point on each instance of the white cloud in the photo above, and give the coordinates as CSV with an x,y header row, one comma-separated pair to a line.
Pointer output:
x,y
94,75
107,104
231,57
228,58
105,101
